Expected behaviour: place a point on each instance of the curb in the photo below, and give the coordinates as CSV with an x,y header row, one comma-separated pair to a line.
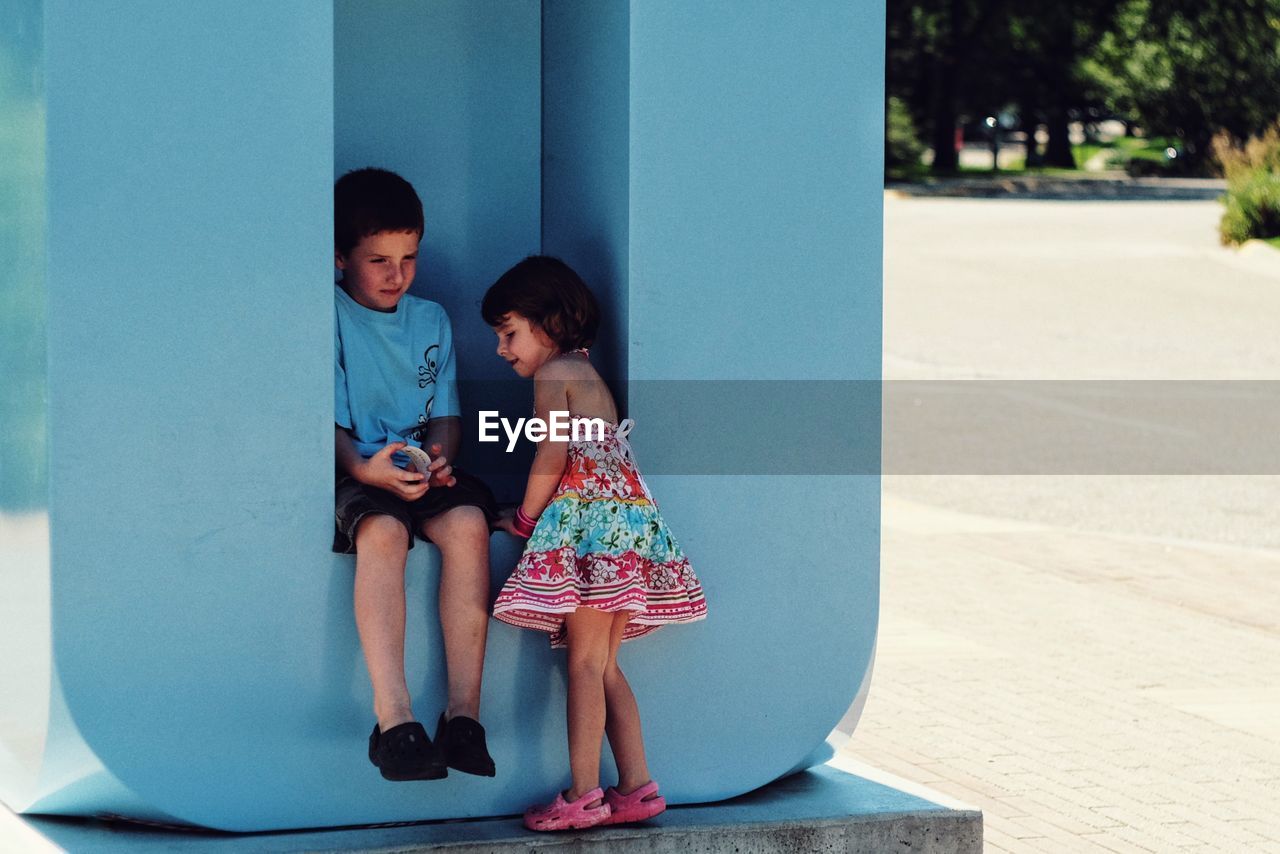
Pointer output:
x,y
1050,188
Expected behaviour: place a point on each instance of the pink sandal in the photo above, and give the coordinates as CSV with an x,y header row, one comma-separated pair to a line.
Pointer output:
x,y
634,807
564,815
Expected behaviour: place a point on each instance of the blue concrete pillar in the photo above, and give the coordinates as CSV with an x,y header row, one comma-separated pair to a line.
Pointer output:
x,y
185,640
716,170
186,177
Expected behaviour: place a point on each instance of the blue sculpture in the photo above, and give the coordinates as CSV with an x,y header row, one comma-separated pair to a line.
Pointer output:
x,y
180,645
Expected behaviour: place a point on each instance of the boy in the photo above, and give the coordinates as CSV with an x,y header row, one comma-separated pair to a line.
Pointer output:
x,y
395,383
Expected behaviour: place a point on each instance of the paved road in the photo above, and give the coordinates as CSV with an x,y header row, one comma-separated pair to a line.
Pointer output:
x,y
1050,294
1093,660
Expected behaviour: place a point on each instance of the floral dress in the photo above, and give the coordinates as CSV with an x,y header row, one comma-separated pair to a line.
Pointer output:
x,y
601,544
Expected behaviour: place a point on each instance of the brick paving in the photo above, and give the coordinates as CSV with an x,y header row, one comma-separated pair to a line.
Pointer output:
x,y
1038,674
1104,674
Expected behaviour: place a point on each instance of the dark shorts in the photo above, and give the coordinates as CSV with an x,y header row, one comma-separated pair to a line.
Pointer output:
x,y
355,501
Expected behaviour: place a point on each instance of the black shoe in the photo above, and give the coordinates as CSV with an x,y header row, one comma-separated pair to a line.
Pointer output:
x,y
404,753
461,743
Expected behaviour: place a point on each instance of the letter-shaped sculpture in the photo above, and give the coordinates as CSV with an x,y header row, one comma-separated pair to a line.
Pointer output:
x,y
178,639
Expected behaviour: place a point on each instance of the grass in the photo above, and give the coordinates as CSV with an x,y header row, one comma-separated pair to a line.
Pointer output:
x,y
1156,155
1122,150
911,173
920,173
1125,149
1086,152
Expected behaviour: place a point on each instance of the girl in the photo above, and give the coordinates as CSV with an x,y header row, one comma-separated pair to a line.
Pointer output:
x,y
600,566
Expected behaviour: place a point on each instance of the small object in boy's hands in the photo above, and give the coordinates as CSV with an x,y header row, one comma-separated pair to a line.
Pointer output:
x,y
421,459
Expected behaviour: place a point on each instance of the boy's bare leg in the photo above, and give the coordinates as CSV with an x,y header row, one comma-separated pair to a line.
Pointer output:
x,y
622,723
381,548
462,535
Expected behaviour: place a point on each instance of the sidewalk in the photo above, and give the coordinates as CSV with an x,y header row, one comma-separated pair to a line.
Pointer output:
x,y
1074,686
1104,673
842,806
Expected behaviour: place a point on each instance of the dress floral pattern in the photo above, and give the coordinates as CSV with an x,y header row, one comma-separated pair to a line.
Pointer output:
x,y
601,544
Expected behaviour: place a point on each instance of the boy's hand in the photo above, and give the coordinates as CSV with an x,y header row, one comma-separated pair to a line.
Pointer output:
x,y
381,472
440,473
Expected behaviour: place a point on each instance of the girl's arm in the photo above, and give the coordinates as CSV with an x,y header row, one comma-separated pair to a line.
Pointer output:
x,y
550,394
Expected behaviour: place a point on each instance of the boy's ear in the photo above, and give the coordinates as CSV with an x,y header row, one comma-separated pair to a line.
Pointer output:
x,y
339,261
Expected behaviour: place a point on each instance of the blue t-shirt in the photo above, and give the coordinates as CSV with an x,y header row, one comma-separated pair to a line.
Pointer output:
x,y
388,368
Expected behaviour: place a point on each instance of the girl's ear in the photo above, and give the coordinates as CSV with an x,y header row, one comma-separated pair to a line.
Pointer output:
x,y
550,330
339,261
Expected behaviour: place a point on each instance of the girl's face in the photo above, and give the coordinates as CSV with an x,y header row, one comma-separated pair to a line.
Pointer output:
x,y
523,344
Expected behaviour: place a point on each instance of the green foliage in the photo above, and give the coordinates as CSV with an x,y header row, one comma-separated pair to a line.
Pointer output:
x,y
1259,152
1253,209
1183,69
1086,152
902,143
1192,69
1252,170
912,173
1137,156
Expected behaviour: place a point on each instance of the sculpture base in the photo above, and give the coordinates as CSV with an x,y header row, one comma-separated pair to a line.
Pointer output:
x,y
823,809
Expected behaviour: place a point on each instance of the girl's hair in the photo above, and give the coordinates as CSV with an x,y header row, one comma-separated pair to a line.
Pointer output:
x,y
547,292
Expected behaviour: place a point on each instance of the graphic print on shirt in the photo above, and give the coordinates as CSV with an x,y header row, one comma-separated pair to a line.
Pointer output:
x,y
427,374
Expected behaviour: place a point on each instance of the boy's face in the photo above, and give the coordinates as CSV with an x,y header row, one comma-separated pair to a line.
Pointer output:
x,y
380,268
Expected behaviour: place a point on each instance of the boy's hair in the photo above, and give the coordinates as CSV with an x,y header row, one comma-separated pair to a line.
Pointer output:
x,y
367,201
548,292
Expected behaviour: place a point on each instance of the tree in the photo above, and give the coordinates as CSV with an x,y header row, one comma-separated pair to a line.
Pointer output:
x,y
950,59
936,56
1180,68
1191,69
1046,45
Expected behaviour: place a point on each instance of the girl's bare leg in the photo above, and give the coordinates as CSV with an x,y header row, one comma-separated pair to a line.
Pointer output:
x,y
588,635
623,719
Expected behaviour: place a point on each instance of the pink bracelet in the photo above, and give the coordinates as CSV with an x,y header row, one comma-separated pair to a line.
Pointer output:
x,y
524,523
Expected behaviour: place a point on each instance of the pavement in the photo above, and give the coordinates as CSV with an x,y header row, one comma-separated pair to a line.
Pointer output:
x,y
842,806
1092,659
